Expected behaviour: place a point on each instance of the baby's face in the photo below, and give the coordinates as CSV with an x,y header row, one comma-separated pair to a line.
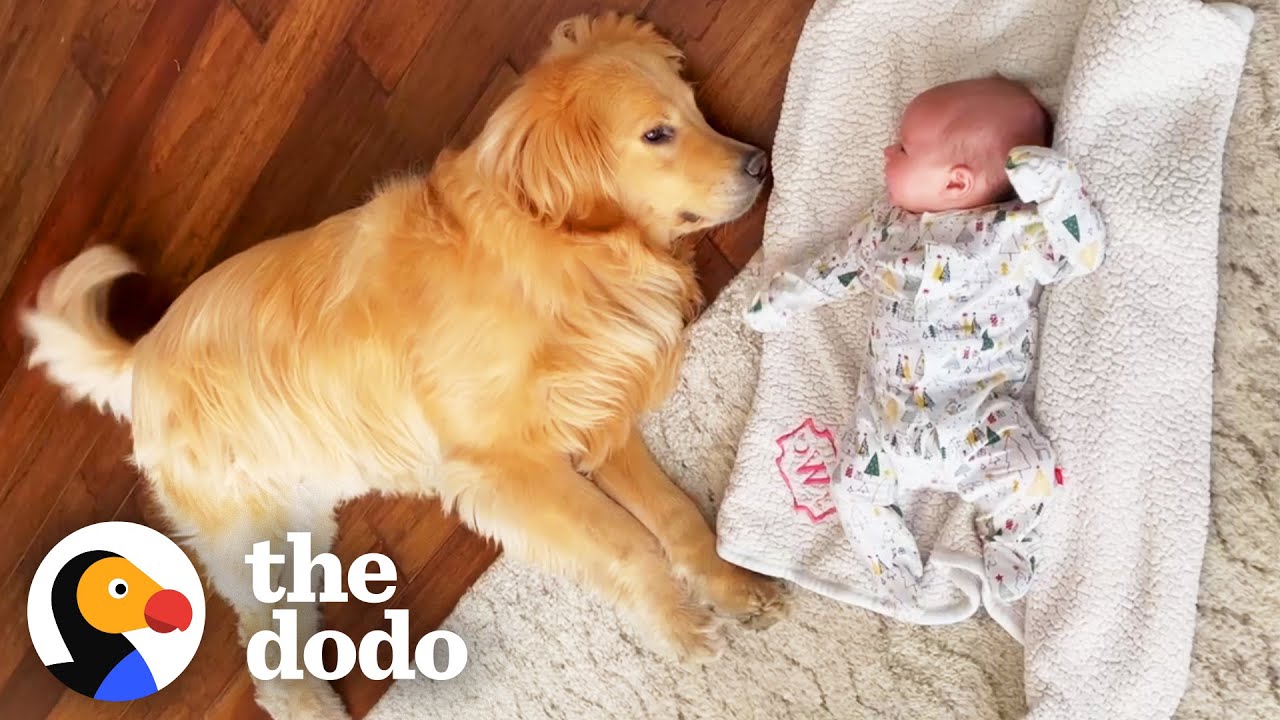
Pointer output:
x,y
918,164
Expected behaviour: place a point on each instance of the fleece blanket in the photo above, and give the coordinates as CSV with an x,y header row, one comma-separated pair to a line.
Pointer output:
x,y
1143,92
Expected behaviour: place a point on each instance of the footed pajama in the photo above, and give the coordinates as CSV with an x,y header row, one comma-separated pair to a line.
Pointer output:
x,y
950,351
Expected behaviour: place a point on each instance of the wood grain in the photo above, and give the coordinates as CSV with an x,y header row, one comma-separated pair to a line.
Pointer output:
x,y
103,38
261,15
392,32
37,74
118,129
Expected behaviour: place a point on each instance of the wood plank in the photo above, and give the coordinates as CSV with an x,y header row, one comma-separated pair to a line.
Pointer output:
x,y
741,64
33,55
261,15
57,497
103,38
203,130
428,105
43,419
42,154
739,240
432,593
683,21
31,691
409,532
391,33
39,487
714,270
237,701
43,122
27,400
40,160
117,130
296,187
184,137
71,705
233,104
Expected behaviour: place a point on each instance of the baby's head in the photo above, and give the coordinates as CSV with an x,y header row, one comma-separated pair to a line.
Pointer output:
x,y
953,140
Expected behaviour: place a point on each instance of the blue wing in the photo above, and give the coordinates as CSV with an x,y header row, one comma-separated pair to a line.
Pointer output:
x,y
130,679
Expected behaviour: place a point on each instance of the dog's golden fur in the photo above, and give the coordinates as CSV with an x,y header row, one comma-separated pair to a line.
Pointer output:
x,y
488,334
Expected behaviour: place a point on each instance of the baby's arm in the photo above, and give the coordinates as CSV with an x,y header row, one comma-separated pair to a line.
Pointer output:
x,y
1071,241
811,284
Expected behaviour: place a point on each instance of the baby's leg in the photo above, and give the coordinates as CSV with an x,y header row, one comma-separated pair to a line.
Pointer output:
x,y
865,491
1011,479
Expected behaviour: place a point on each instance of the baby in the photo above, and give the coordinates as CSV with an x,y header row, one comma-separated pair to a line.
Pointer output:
x,y
953,271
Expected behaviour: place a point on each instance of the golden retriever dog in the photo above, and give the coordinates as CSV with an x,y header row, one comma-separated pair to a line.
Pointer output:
x,y
487,334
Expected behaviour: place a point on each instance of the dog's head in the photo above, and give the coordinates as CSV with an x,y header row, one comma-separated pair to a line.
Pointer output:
x,y
604,129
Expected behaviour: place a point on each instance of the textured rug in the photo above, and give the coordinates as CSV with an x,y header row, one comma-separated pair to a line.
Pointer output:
x,y
541,648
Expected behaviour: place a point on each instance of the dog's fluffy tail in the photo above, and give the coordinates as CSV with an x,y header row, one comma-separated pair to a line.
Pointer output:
x,y
72,337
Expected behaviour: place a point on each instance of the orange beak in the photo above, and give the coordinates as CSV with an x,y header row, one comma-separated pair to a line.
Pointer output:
x,y
168,610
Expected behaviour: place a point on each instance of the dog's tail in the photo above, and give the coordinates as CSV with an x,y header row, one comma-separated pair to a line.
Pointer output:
x,y
73,339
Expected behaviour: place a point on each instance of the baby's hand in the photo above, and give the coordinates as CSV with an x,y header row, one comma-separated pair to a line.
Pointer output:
x,y
1037,173
785,295
762,314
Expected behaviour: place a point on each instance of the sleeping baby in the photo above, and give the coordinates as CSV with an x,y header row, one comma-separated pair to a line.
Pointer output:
x,y
953,270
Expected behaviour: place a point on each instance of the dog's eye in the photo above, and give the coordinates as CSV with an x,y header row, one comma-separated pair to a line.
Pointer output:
x,y
659,134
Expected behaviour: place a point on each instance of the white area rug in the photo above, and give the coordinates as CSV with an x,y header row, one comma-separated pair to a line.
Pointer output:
x,y
542,648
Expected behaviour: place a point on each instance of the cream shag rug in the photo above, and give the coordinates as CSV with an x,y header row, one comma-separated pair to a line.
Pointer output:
x,y
541,648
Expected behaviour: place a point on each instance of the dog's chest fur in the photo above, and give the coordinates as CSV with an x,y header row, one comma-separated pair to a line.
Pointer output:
x,y
616,349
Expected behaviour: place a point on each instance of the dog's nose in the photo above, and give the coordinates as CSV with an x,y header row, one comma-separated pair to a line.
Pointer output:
x,y
755,162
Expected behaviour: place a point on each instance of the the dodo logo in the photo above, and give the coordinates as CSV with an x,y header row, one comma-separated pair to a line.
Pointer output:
x,y
116,611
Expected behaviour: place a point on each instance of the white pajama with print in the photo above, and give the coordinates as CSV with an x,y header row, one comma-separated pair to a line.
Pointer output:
x,y
950,350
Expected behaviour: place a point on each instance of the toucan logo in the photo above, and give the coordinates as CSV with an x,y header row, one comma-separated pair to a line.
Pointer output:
x,y
116,611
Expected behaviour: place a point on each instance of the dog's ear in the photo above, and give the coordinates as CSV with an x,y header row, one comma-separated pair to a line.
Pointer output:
x,y
585,33
549,158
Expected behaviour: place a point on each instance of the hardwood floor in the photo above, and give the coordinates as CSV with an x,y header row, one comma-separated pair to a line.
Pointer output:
x,y
188,130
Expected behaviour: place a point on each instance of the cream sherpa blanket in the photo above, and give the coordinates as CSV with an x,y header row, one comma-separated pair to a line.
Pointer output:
x,y
542,648
1145,90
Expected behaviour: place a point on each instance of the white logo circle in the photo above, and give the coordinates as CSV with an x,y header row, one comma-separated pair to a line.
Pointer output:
x,y
116,611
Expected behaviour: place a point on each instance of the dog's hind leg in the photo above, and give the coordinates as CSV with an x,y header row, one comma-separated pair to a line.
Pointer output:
x,y
221,540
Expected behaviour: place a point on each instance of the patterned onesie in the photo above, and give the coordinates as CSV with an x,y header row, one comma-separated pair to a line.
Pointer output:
x,y
950,349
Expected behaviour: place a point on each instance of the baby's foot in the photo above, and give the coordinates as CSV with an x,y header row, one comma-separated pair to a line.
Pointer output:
x,y
884,535
1010,569
898,584
895,557
881,534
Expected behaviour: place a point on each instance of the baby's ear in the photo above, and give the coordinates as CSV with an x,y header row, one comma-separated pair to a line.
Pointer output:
x,y
960,181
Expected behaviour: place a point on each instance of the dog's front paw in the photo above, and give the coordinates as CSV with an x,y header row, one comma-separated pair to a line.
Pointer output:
x,y
753,600
693,635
